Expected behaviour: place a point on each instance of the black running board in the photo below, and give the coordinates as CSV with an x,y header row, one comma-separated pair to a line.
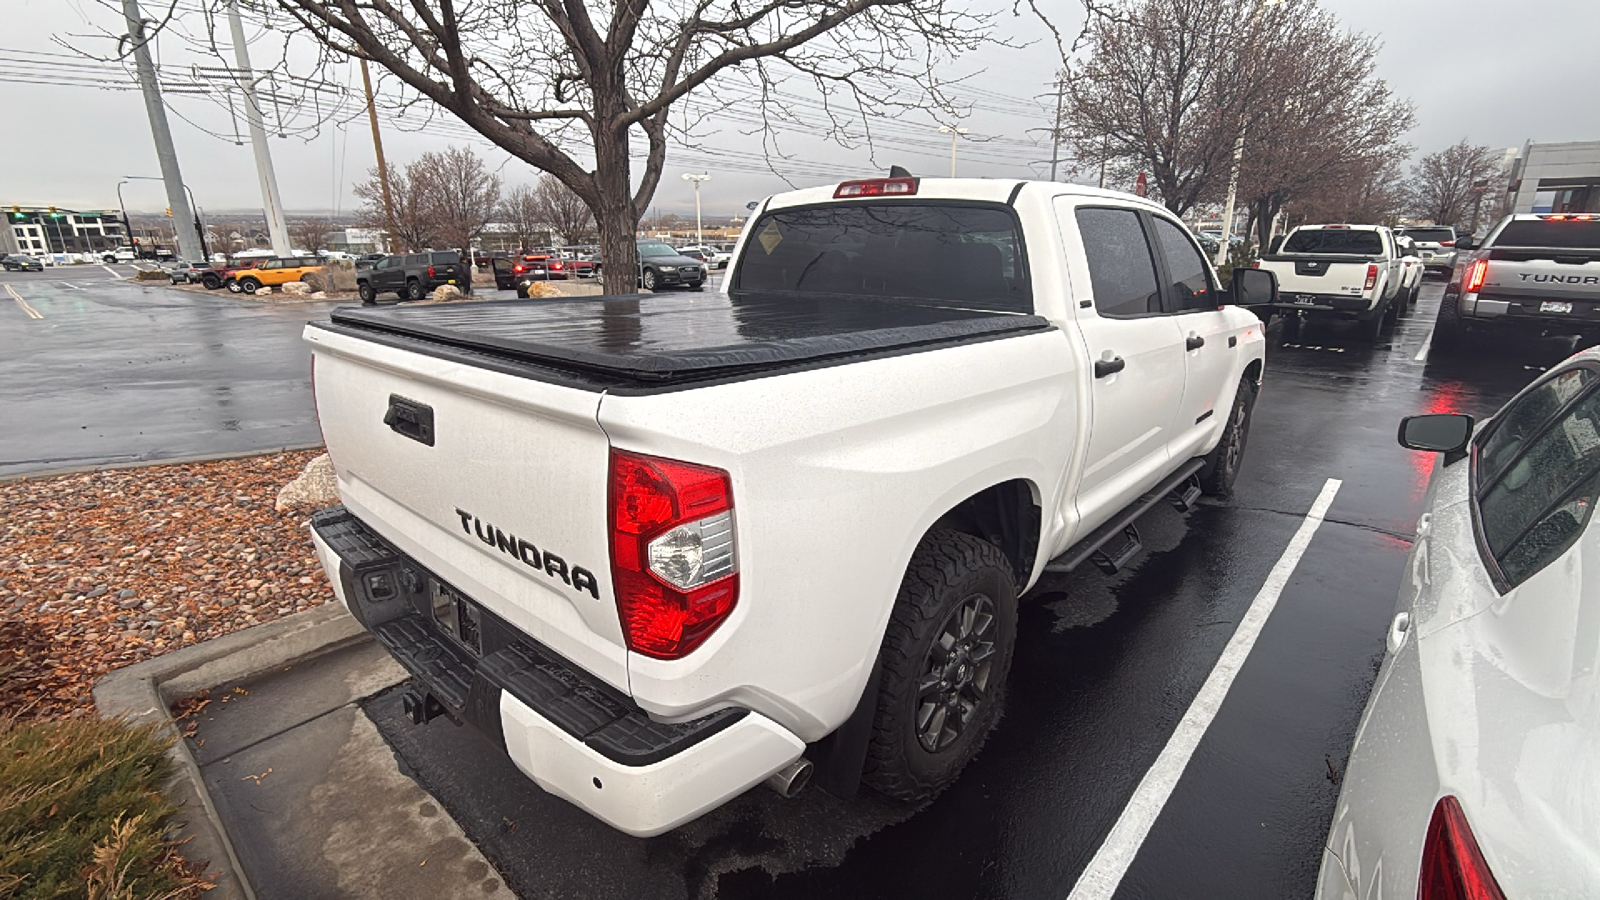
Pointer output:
x,y
1122,526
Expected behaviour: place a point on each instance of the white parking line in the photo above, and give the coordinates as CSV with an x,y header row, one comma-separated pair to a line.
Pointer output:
x,y
70,285
1427,344
1104,873
112,271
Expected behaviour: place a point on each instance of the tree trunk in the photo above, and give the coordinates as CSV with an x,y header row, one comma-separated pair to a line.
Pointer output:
x,y
615,217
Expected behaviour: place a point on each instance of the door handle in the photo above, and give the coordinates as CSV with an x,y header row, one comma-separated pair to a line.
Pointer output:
x,y
1104,367
1398,629
1425,525
1194,342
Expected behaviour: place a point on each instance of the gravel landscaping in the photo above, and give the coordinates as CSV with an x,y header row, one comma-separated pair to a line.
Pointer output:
x,y
105,569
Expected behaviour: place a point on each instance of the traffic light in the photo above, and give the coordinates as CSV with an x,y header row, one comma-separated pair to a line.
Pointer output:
x,y
53,213
169,212
16,212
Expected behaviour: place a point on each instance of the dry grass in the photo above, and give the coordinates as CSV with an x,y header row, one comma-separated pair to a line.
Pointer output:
x,y
82,813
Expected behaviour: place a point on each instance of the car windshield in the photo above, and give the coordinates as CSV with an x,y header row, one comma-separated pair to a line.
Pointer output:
x,y
1334,240
1433,235
963,255
655,248
1569,234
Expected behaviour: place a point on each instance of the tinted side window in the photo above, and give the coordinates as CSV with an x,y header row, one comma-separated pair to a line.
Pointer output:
x,y
1191,283
446,259
1523,419
1541,501
272,264
1121,269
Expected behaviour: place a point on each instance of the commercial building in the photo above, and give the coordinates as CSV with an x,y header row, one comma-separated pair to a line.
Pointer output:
x,y
44,230
1556,178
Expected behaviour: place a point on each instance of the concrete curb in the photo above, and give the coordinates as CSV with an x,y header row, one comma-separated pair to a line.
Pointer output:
x,y
152,463
141,694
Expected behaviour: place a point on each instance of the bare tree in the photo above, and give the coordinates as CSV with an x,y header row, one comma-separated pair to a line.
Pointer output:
x,y
459,193
520,210
310,234
1321,130
414,225
542,79
563,211
1161,91
1445,185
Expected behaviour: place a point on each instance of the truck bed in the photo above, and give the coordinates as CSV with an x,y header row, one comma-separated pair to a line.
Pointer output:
x,y
657,340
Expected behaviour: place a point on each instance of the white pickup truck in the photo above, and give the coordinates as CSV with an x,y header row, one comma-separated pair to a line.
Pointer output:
x,y
664,548
1340,271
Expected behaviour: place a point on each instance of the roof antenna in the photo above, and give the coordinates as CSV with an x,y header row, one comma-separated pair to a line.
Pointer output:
x,y
898,172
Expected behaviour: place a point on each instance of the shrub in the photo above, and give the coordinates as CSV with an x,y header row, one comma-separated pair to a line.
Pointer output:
x,y
82,813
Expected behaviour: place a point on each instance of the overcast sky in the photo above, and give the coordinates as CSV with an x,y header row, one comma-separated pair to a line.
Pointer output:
x,y
1498,72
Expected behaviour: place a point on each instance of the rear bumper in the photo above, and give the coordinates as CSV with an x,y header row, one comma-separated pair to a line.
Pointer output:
x,y
570,732
1333,303
1512,312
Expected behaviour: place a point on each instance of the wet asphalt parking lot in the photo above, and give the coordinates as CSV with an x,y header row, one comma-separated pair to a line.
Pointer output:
x,y
1106,666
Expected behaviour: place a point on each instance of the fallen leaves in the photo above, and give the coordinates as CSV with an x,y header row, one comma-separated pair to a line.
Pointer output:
x,y
104,569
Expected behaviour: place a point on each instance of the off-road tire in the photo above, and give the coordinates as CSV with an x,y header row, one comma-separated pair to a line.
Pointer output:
x,y
369,297
234,287
210,282
1291,329
1371,330
948,570
249,285
414,290
1449,332
1222,463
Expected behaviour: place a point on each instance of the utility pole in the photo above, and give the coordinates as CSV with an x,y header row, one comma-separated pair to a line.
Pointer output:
x,y
166,155
1105,149
955,134
696,179
1055,132
377,147
277,229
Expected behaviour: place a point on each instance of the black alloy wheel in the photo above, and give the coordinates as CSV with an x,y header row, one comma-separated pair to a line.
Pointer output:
x,y
956,673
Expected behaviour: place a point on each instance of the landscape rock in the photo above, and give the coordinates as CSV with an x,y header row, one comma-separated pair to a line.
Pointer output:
x,y
295,287
315,487
446,293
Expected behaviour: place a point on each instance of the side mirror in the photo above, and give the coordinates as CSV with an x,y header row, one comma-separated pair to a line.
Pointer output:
x,y
1436,433
1464,242
1254,287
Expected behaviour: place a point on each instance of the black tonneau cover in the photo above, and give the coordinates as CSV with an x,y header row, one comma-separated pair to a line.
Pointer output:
x,y
667,338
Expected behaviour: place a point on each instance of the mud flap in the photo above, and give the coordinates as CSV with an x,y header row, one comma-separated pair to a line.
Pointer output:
x,y
841,757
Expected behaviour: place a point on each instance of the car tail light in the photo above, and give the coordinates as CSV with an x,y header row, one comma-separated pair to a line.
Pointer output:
x,y
430,271
674,565
1453,868
556,265
1476,275
1372,277
1449,243
877,187
1255,263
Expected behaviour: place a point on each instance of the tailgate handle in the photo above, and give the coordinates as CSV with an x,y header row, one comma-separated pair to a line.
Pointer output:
x,y
411,419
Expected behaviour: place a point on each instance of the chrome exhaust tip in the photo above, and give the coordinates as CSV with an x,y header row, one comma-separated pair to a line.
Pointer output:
x,y
791,779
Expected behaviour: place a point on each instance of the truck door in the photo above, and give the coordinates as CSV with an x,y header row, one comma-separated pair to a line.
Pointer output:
x,y
1193,300
1137,358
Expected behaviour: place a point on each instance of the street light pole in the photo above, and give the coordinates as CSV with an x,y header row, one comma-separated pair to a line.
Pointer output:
x,y
1238,150
199,229
687,176
277,229
955,133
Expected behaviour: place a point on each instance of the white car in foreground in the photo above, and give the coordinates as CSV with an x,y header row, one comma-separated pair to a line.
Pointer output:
x,y
1476,768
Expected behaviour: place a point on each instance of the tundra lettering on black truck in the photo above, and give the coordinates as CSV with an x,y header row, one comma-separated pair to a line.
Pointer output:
x,y
814,499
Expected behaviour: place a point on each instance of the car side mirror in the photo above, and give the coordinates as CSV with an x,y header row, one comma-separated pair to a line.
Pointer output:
x,y
1254,287
1446,433
1464,243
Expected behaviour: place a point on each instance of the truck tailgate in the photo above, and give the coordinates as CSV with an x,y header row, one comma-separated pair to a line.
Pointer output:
x,y
1325,274
497,483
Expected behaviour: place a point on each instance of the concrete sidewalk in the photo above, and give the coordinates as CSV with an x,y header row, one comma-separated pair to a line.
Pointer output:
x,y
312,797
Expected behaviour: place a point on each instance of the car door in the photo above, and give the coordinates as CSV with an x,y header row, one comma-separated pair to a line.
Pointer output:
x,y
503,278
1137,354
1194,302
384,273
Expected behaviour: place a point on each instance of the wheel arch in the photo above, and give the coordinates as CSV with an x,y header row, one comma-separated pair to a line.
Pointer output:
x,y
1008,515
1254,372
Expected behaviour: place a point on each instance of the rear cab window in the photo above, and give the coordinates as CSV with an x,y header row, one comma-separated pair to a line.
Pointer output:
x,y
1334,240
949,253
1561,234
1429,235
1536,475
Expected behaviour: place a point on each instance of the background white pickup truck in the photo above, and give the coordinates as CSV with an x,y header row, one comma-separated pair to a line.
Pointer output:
x,y
665,548
1340,271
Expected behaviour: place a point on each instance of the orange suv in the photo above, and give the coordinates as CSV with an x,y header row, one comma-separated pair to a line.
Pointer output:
x,y
281,270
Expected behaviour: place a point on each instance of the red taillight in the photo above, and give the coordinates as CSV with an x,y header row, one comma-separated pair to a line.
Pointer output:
x,y
673,562
1255,263
430,271
1453,867
877,187
1449,243
556,265
1372,277
1476,275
